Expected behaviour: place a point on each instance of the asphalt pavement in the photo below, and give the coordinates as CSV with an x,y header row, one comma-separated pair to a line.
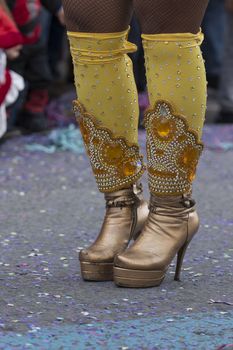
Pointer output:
x,y
50,209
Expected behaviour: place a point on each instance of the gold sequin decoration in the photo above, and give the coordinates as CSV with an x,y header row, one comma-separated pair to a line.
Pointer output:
x,y
164,129
173,150
115,163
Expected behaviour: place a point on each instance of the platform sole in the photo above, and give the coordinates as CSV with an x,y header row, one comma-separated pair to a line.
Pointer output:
x,y
137,278
96,271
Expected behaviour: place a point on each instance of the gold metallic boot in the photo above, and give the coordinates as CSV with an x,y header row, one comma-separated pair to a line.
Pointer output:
x,y
173,150
126,213
171,225
117,165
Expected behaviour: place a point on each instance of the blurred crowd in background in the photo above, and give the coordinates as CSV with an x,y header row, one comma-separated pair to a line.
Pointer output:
x,y
35,65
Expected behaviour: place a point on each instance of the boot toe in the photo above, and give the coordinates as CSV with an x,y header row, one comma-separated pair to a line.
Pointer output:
x,y
128,260
121,261
144,261
96,255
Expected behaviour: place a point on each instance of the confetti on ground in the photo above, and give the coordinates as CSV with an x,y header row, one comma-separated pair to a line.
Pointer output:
x,y
65,139
151,334
50,209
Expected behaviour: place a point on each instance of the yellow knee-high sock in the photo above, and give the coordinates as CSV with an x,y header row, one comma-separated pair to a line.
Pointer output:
x,y
107,109
177,92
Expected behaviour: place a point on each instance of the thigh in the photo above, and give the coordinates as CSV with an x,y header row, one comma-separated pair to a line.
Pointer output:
x,y
97,16
170,16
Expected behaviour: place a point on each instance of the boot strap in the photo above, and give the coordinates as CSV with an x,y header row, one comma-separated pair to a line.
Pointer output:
x,y
125,197
122,202
184,201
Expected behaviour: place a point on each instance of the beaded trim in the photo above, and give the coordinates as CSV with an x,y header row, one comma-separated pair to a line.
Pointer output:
x,y
115,163
173,151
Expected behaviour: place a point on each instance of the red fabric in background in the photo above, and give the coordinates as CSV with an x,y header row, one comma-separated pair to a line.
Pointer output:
x,y
9,37
26,16
9,34
24,11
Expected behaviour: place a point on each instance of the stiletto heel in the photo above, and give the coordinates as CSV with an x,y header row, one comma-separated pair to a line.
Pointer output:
x,y
180,259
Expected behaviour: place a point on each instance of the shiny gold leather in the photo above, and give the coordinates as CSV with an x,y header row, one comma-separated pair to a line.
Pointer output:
x,y
126,213
171,224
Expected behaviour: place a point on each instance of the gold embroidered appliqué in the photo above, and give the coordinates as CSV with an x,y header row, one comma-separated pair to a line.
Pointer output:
x,y
173,151
115,163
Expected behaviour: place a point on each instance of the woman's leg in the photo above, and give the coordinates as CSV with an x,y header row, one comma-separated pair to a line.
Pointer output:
x,y
104,81
97,16
170,16
107,112
175,75
177,91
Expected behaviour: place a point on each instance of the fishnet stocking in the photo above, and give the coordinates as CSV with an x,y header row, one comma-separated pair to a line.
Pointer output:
x,y
170,16
97,16
155,16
